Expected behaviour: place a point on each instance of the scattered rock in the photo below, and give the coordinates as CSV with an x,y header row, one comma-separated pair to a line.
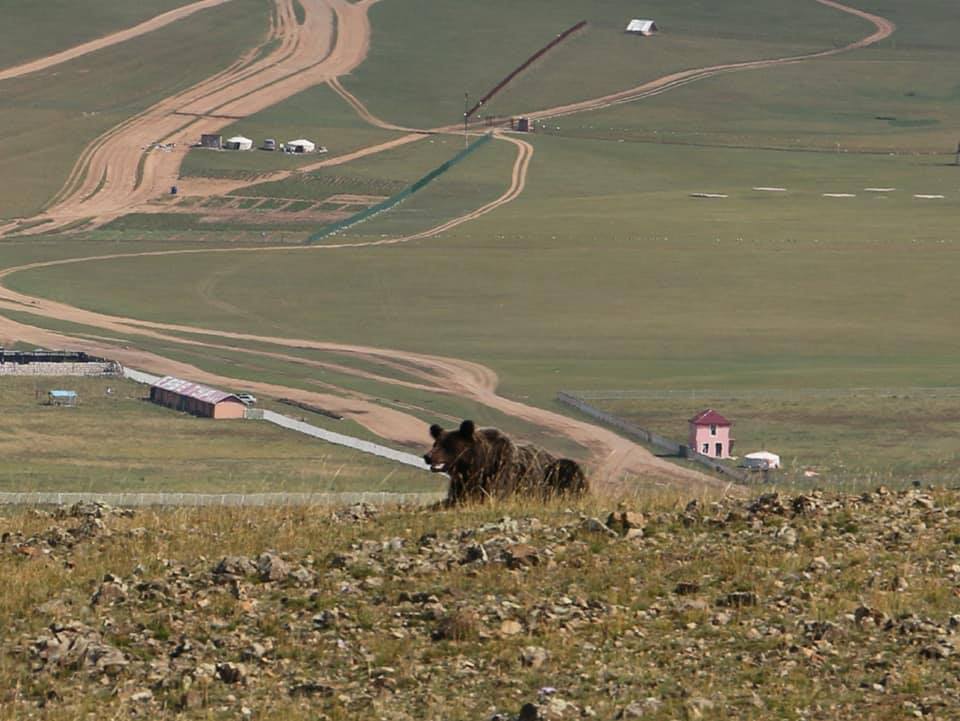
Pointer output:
x,y
533,656
738,599
521,555
595,525
510,628
270,567
235,567
232,673
623,522
529,712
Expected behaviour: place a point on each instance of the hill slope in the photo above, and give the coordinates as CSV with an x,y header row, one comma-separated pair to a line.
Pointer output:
x,y
812,607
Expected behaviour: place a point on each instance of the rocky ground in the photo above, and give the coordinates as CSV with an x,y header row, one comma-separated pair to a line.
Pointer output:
x,y
806,607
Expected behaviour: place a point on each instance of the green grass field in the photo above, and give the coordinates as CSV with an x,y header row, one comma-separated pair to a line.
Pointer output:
x,y
417,72
317,114
606,273
47,123
66,23
854,439
122,442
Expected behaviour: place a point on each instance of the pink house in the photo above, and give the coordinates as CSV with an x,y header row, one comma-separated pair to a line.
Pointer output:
x,y
710,434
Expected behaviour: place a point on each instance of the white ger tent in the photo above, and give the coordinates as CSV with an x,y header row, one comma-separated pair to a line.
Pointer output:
x,y
642,27
238,142
761,460
301,146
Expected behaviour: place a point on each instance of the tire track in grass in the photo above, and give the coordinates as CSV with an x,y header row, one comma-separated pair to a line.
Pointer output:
x,y
121,36
613,454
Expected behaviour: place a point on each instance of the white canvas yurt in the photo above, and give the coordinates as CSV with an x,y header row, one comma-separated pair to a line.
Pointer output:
x,y
301,146
238,142
642,27
761,461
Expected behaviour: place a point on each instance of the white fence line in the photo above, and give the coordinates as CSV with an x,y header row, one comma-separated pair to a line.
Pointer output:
x,y
331,498
139,376
292,424
341,440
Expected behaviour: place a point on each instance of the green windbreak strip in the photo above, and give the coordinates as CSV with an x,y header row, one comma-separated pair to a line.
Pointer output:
x,y
394,200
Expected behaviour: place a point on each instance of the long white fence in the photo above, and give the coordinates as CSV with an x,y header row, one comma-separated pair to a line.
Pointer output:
x,y
278,419
139,376
340,439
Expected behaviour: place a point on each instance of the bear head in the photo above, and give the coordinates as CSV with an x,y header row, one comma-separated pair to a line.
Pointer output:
x,y
452,450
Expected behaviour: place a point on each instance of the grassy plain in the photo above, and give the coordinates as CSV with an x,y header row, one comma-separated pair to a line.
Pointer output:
x,y
736,609
605,273
608,275
853,438
898,96
48,117
317,114
102,445
66,23
479,179
417,72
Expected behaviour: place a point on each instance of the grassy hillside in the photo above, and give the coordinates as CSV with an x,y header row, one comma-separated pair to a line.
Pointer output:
x,y
604,277
898,96
851,438
317,114
33,30
120,442
805,607
605,272
50,116
417,72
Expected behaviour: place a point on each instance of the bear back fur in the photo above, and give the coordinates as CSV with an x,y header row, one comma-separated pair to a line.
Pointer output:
x,y
485,463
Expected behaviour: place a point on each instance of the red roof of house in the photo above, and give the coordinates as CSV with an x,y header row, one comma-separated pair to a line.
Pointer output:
x,y
709,417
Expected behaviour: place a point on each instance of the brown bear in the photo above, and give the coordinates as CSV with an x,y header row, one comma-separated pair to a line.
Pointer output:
x,y
485,463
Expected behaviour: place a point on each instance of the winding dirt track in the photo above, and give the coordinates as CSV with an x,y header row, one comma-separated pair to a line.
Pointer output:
x,y
147,26
884,29
106,184
120,170
613,456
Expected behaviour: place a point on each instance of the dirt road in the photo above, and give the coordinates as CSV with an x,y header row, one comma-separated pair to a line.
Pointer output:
x,y
612,456
883,29
123,168
121,36
111,194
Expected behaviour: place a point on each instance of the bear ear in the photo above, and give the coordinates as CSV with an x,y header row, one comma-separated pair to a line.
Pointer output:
x,y
467,428
435,431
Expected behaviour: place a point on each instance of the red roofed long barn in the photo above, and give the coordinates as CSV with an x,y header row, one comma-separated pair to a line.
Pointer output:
x,y
196,399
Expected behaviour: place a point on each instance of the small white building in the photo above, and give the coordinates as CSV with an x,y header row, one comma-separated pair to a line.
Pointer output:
x,y
300,146
761,461
238,142
642,27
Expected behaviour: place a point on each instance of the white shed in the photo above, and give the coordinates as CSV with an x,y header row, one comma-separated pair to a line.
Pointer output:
x,y
238,142
642,27
301,146
761,461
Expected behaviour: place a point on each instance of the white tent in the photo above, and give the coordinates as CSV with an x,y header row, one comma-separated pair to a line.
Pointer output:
x,y
238,142
642,27
761,460
301,146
